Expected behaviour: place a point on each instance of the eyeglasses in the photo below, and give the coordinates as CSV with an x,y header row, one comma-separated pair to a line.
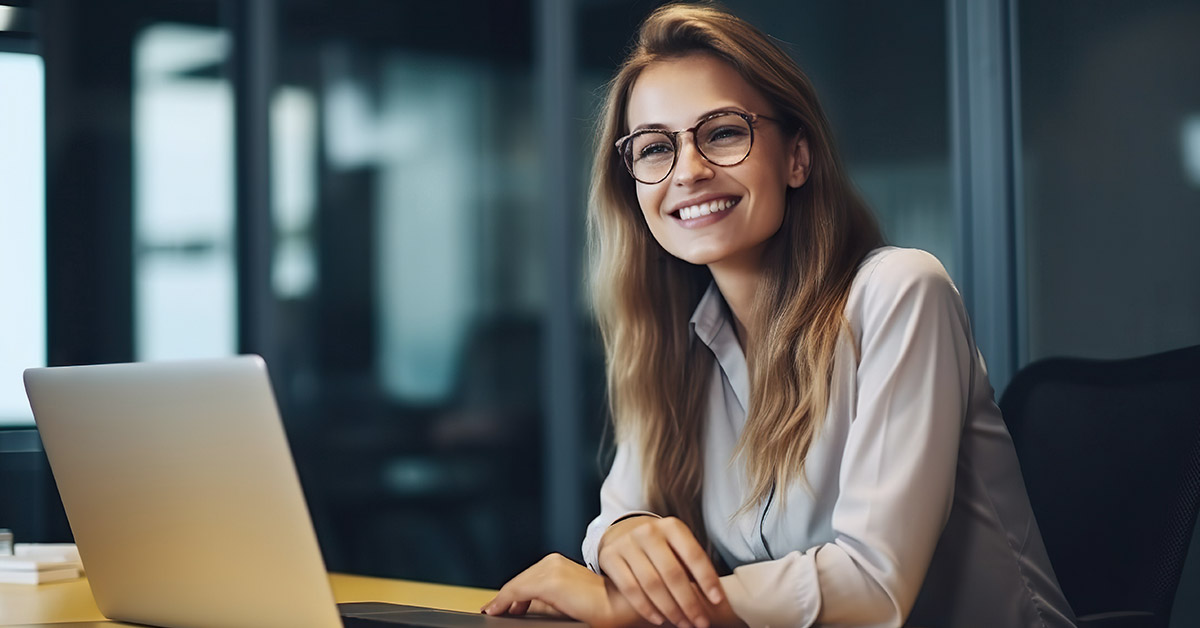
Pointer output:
x,y
723,138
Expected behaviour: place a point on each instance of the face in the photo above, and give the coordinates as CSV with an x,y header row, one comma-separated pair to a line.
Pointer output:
x,y
749,197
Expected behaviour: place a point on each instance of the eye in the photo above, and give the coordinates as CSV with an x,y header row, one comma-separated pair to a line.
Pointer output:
x,y
727,133
652,146
655,149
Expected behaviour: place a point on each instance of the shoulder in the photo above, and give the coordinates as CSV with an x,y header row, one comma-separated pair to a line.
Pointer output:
x,y
892,278
890,267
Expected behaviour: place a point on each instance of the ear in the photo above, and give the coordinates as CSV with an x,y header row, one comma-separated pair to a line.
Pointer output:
x,y
799,163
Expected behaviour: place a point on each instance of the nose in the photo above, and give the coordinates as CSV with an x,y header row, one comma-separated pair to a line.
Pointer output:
x,y
690,165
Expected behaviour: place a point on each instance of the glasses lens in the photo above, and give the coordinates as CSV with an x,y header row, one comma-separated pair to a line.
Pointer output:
x,y
724,140
650,156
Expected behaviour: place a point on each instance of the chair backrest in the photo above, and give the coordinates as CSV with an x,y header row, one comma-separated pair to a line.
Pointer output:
x,y
1110,452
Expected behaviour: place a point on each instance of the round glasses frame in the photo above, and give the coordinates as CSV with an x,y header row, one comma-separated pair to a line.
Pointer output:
x,y
624,144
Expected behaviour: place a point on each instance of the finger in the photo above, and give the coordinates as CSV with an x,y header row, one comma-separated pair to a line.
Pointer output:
x,y
521,593
498,605
627,583
538,607
651,582
695,560
678,582
505,598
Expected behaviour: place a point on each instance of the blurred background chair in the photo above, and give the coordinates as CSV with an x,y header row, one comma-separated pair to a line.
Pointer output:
x,y
1110,452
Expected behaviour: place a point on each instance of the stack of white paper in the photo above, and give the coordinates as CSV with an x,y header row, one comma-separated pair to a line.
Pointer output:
x,y
36,564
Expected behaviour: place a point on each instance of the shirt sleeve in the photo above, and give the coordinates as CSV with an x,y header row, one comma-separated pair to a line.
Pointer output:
x,y
622,495
898,466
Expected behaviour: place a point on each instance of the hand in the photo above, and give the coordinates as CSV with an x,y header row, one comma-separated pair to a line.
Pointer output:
x,y
660,568
557,585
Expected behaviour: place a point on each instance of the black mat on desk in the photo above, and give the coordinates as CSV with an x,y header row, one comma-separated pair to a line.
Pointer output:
x,y
355,614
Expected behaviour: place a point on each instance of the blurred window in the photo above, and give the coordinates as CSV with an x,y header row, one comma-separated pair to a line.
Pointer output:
x,y
22,230
454,217
427,220
185,258
293,191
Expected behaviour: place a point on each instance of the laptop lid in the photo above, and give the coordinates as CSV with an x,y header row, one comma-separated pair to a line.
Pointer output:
x,y
182,494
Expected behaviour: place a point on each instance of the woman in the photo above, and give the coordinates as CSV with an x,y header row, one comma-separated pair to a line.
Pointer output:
x,y
792,399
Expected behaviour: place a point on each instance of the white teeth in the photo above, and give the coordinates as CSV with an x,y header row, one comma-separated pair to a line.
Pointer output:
x,y
704,209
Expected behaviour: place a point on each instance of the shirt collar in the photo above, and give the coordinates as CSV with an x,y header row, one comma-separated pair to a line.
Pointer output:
x,y
710,323
709,316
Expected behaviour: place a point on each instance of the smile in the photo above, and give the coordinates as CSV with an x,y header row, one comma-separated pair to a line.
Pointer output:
x,y
701,210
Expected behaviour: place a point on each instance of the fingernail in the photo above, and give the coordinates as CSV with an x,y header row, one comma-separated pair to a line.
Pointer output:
x,y
701,622
657,619
714,595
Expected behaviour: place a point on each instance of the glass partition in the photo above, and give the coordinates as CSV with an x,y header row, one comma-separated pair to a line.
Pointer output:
x,y
1109,110
408,267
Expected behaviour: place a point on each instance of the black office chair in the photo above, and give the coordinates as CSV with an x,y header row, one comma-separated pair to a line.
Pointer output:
x,y
1110,452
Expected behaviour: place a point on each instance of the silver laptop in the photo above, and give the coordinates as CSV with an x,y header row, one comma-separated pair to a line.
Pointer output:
x,y
180,489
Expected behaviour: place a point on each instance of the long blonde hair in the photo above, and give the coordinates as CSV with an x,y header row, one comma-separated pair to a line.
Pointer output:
x,y
657,376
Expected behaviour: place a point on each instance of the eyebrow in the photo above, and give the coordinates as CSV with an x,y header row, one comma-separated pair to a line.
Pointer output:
x,y
659,126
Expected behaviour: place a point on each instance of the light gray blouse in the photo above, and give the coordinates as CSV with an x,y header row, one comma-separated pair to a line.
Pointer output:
x,y
914,510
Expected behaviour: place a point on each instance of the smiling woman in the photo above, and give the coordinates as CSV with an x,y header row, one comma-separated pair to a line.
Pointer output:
x,y
805,429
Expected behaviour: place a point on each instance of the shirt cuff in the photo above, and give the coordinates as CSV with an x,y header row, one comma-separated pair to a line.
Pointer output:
x,y
591,555
783,592
634,513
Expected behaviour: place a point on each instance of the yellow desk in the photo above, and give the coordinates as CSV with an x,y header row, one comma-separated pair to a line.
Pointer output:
x,y
71,601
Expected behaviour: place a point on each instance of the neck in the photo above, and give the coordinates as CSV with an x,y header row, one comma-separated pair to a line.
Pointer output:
x,y
739,283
